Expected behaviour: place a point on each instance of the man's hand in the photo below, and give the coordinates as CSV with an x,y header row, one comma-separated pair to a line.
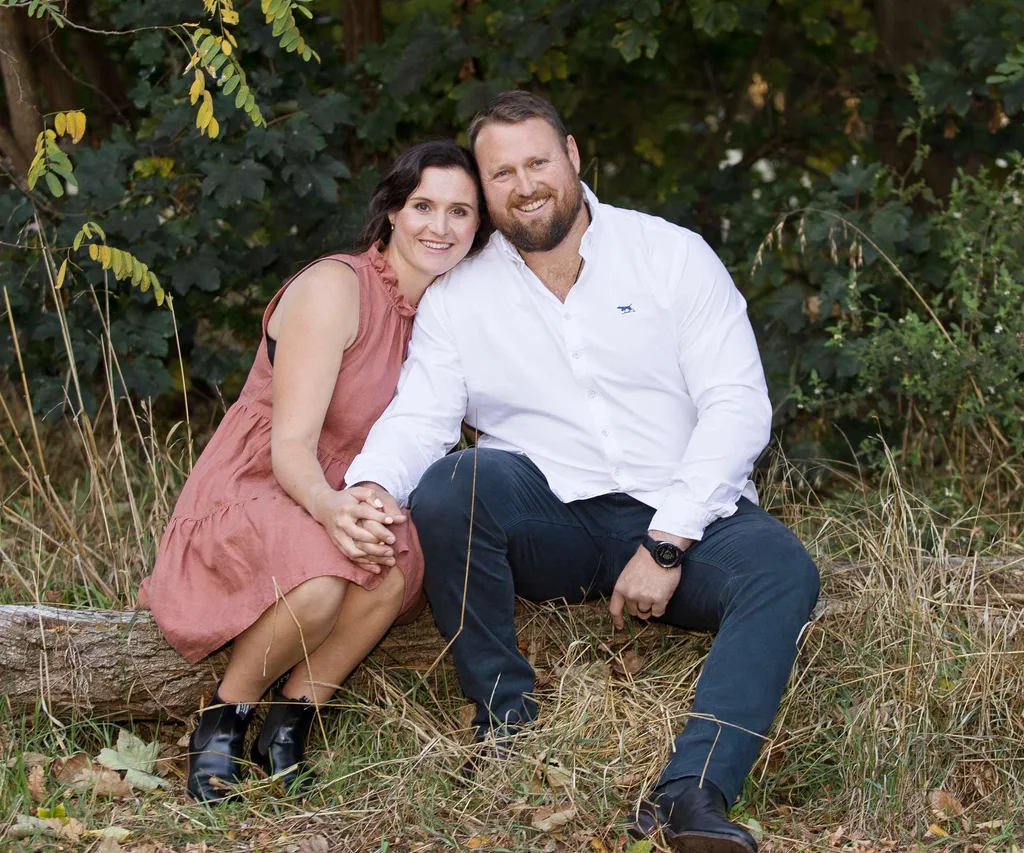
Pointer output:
x,y
644,588
357,521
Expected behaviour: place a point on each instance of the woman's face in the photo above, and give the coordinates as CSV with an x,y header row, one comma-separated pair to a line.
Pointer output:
x,y
436,227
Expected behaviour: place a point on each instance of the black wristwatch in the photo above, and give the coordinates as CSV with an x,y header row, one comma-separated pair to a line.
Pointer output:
x,y
666,554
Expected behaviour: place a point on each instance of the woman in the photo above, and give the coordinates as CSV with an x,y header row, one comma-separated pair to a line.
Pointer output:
x,y
264,550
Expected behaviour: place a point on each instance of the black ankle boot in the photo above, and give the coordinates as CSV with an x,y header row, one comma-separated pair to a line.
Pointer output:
x,y
216,748
282,742
691,819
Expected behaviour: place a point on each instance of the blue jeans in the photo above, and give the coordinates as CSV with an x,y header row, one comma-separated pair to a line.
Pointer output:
x,y
749,579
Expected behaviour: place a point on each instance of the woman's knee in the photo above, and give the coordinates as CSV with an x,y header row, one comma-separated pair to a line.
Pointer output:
x,y
315,603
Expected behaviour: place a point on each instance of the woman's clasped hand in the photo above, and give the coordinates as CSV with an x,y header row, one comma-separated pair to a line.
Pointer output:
x,y
359,523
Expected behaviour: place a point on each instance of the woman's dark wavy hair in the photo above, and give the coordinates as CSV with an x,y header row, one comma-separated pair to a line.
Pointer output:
x,y
394,189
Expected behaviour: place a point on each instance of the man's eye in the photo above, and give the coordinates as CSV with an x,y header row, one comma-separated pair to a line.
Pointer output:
x,y
538,163
500,174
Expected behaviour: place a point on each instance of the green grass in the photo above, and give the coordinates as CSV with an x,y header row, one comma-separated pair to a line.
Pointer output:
x,y
910,682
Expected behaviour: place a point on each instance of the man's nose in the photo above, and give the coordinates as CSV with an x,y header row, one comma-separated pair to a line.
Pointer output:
x,y
525,186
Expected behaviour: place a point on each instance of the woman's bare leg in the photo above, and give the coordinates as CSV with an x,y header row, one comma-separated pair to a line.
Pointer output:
x,y
283,636
365,617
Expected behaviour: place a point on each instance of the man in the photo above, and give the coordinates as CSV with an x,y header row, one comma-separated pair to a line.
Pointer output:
x,y
607,362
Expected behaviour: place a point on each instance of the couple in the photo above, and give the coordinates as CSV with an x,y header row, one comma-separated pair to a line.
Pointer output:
x,y
606,360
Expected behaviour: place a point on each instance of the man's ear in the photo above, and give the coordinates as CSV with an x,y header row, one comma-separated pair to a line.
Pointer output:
x,y
573,151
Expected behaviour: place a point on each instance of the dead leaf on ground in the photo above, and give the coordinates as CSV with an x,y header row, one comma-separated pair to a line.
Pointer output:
x,y
65,769
313,844
37,783
68,828
944,804
628,663
550,818
109,845
29,760
557,775
477,841
137,758
80,773
465,716
25,826
170,759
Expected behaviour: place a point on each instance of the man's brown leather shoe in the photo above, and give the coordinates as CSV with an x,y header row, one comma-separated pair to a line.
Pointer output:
x,y
695,821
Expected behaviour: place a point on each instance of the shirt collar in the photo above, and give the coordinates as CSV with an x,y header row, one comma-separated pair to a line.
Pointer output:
x,y
589,236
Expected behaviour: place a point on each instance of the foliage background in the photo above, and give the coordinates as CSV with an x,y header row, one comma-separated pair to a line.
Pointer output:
x,y
816,145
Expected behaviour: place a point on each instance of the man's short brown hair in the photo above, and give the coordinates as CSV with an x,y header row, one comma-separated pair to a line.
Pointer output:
x,y
515,107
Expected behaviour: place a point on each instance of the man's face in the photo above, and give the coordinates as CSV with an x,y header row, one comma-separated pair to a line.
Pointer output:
x,y
531,184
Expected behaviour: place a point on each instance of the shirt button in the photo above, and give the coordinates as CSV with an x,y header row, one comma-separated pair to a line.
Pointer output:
x,y
617,471
567,315
591,394
581,494
605,432
576,354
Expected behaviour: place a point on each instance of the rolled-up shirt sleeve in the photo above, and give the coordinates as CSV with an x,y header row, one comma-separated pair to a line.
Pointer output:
x,y
721,367
422,422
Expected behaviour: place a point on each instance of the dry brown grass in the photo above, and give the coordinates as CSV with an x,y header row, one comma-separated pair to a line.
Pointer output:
x,y
904,719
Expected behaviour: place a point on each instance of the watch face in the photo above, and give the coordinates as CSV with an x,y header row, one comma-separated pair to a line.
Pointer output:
x,y
666,554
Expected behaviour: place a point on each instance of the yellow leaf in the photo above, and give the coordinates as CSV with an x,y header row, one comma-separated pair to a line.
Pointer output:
x,y
935,829
60,123
198,85
63,271
79,130
213,128
205,112
598,845
477,841
225,47
105,256
94,251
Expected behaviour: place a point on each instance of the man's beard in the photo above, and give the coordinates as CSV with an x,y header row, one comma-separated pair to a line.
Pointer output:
x,y
542,236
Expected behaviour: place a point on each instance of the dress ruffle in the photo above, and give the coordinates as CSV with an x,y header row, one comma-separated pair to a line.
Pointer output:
x,y
389,278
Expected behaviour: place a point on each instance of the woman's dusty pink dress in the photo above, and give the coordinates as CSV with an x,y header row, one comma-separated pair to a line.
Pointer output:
x,y
237,541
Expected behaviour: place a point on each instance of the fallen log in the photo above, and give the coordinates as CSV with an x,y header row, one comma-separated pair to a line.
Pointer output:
x,y
116,664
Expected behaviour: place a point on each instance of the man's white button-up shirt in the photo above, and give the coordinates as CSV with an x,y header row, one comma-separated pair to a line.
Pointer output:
x,y
647,380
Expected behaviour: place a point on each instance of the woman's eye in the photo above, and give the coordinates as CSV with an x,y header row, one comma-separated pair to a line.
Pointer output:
x,y
459,211
422,206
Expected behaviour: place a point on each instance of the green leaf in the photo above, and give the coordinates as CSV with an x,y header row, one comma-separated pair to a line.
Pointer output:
x,y
65,173
53,182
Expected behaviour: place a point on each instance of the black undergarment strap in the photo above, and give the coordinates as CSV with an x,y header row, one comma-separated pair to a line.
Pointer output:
x,y
271,349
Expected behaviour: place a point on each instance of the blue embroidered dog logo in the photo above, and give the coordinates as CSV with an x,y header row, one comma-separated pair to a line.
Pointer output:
x,y
626,309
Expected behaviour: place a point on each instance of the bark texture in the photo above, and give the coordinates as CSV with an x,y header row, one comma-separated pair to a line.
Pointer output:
x,y
362,24
25,121
116,664
102,663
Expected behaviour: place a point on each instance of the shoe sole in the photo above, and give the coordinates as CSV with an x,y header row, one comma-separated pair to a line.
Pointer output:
x,y
704,842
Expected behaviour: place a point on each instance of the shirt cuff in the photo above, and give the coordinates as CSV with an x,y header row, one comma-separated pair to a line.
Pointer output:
x,y
366,471
681,516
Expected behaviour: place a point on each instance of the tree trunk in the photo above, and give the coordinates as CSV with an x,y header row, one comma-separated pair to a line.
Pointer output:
x,y
57,84
116,664
21,90
113,664
362,24
101,72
